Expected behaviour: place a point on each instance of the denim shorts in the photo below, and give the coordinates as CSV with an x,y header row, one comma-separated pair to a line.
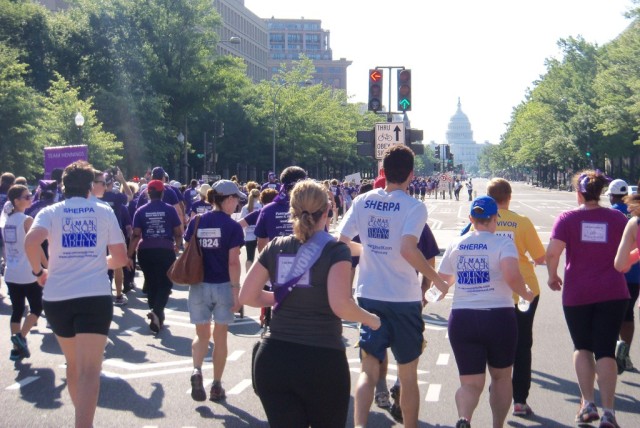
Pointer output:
x,y
207,301
401,330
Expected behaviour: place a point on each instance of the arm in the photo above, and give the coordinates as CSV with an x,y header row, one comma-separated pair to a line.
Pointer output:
x,y
234,276
135,239
410,252
177,236
426,282
252,292
43,257
341,299
513,277
624,259
33,247
262,242
123,185
242,222
356,248
117,256
554,250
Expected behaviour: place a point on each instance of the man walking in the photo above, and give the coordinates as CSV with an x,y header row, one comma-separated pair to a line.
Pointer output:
x,y
389,223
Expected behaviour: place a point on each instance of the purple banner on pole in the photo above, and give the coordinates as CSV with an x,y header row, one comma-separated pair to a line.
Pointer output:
x,y
63,156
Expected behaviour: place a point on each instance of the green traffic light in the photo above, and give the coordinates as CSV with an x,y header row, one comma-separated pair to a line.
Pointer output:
x,y
588,154
405,104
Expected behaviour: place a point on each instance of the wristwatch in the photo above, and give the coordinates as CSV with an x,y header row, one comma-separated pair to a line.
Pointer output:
x,y
39,274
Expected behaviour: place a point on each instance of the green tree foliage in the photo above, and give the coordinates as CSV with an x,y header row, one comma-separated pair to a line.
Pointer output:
x,y
19,110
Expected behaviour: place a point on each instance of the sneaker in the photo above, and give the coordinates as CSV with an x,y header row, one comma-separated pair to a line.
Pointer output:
x,y
120,300
21,345
15,355
463,423
608,421
154,322
395,392
628,365
197,388
588,413
217,392
382,400
622,351
396,412
522,409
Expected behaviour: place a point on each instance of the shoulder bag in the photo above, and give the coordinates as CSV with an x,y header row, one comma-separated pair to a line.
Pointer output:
x,y
189,266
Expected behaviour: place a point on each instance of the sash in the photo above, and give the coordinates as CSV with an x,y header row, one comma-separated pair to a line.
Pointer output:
x,y
307,255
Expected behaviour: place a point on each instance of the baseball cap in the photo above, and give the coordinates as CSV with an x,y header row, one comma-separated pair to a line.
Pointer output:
x,y
483,207
156,185
617,187
157,173
204,188
226,188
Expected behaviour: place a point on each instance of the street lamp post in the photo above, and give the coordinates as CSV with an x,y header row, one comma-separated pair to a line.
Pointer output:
x,y
79,120
183,143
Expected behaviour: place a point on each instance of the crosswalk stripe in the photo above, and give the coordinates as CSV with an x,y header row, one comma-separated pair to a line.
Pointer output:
x,y
240,387
433,392
443,360
22,382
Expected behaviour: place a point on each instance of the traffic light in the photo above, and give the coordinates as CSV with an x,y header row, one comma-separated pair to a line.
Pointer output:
x,y
404,90
437,151
588,154
375,90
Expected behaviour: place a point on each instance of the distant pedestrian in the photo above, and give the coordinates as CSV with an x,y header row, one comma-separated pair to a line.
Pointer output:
x,y
77,293
469,185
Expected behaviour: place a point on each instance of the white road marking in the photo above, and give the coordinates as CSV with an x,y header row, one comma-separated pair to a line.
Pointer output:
x,y
235,355
443,360
22,382
433,392
240,387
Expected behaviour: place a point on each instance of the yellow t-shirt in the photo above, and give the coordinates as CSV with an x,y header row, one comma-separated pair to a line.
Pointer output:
x,y
521,231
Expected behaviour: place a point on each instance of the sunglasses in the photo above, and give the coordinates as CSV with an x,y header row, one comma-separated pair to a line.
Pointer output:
x,y
26,197
100,181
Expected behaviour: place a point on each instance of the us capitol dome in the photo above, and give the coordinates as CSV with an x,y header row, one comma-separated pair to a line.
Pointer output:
x,y
460,137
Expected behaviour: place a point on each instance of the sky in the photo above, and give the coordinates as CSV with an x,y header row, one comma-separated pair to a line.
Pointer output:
x,y
487,53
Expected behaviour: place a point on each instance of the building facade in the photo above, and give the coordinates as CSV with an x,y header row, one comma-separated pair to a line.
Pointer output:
x,y
460,137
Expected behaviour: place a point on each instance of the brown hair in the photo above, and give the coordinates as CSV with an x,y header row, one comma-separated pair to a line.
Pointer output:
x,y
590,184
268,195
499,189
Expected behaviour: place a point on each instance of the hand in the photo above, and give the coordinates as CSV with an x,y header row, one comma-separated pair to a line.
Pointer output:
x,y
42,279
374,323
119,175
529,296
130,263
236,303
555,283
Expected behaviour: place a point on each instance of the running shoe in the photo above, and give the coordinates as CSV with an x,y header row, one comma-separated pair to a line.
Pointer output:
x,y
21,345
395,392
15,355
217,392
463,423
120,300
608,421
396,412
522,409
197,388
628,365
622,351
588,413
382,400
154,322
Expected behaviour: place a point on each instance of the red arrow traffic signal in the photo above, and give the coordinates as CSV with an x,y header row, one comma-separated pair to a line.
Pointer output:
x,y
375,75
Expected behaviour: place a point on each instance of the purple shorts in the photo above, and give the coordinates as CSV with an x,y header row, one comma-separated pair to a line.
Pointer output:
x,y
481,337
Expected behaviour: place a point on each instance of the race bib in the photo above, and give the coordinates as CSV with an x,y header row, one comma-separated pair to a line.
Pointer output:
x,y
285,262
594,232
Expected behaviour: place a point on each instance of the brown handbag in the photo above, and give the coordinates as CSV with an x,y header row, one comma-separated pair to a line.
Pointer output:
x,y
189,266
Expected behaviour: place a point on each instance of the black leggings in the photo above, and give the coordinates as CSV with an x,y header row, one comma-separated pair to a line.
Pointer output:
x,y
595,327
155,262
17,293
301,386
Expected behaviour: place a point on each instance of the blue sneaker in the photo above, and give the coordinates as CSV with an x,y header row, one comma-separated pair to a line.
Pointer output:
x,y
21,345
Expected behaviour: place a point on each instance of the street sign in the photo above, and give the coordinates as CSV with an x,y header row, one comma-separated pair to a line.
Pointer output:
x,y
388,134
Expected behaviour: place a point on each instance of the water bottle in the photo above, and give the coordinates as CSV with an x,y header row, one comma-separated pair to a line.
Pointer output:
x,y
433,294
523,304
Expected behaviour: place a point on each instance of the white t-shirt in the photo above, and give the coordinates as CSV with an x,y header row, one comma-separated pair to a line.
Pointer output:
x,y
474,260
18,268
79,232
382,219
249,234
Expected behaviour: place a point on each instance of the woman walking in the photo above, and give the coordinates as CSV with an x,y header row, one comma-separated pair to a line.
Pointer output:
x,y
21,282
250,239
220,238
594,294
310,298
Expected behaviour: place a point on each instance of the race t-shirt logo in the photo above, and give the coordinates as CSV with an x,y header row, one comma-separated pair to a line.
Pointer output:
x,y
473,270
79,232
378,227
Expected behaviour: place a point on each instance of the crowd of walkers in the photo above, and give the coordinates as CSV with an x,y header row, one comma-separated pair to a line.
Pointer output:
x,y
72,245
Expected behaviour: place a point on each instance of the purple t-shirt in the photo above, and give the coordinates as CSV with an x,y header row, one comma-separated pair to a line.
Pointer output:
x,y
157,221
270,185
115,201
168,197
200,207
427,243
273,220
252,217
591,238
217,234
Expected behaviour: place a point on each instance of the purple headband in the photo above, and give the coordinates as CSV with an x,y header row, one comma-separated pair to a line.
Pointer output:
x,y
583,180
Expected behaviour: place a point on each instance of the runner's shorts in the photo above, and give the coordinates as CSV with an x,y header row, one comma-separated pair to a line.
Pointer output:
x,y
81,315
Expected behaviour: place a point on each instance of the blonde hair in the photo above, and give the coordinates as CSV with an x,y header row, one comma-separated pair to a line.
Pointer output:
x,y
308,203
253,195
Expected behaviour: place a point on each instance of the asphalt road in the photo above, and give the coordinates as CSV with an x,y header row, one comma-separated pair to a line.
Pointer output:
x,y
145,379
